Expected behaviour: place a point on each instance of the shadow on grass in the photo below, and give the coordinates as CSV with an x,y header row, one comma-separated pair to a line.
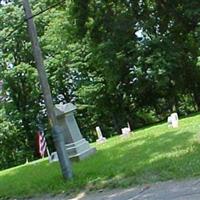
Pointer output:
x,y
135,160
168,156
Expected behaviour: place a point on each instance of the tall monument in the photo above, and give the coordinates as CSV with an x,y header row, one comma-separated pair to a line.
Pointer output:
x,y
76,146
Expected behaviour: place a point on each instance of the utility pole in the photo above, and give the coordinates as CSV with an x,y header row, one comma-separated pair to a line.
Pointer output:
x,y
57,131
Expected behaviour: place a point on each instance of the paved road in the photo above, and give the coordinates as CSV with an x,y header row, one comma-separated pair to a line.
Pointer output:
x,y
189,190
184,190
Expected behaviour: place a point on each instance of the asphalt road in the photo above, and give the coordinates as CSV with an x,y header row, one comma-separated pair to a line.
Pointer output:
x,y
171,190
189,190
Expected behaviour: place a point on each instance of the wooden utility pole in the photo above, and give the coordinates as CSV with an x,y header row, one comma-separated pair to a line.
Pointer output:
x,y
57,131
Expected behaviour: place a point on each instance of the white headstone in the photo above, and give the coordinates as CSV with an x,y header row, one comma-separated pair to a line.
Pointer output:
x,y
169,121
100,139
174,117
53,157
129,126
126,130
172,120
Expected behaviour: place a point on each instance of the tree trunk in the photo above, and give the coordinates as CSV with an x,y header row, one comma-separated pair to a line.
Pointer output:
x,y
116,124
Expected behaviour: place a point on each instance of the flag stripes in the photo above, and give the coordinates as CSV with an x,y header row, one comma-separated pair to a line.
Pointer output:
x,y
41,143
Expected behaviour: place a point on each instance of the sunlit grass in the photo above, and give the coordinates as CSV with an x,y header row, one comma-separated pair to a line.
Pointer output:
x,y
152,154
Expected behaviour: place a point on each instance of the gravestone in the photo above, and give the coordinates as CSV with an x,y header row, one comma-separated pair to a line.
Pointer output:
x,y
100,139
172,120
174,117
76,146
169,121
53,157
126,130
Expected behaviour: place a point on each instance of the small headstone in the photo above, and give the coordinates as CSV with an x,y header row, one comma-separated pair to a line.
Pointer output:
x,y
126,131
100,139
174,117
172,120
26,161
169,121
53,157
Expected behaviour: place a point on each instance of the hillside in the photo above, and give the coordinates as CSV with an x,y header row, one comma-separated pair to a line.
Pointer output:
x,y
149,155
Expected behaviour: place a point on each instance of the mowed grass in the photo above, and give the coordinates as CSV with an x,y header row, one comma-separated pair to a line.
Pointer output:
x,y
152,154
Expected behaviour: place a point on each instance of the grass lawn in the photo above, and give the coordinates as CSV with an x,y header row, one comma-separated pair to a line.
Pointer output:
x,y
152,154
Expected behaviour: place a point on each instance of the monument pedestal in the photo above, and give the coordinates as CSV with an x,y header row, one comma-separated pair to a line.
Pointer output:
x,y
79,150
76,146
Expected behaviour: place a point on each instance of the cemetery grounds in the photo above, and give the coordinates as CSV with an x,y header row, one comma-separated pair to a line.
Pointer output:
x,y
149,155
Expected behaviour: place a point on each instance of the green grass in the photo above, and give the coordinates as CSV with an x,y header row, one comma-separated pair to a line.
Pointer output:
x,y
152,154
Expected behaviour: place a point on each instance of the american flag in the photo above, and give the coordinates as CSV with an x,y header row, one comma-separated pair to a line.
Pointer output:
x,y
41,143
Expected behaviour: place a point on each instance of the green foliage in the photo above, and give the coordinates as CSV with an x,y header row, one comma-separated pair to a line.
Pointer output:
x,y
22,104
118,61
11,144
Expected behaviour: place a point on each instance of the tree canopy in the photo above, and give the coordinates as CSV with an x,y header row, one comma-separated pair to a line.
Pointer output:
x,y
118,61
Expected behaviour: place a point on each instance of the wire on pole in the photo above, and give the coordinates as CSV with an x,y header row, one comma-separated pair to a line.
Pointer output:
x,y
34,15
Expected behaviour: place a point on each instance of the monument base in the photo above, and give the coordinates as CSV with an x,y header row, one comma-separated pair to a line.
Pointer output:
x,y
79,150
101,140
125,135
